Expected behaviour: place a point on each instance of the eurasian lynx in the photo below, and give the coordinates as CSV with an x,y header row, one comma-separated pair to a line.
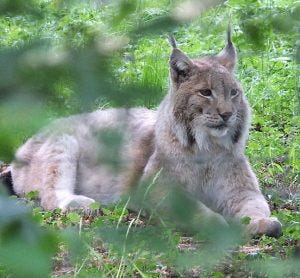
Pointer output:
x,y
195,138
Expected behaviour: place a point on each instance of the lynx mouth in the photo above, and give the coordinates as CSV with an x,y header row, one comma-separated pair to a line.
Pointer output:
x,y
220,126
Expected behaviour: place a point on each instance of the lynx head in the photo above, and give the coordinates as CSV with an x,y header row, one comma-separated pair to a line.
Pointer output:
x,y
207,99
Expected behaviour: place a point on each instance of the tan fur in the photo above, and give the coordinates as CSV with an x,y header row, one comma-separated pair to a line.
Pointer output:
x,y
196,139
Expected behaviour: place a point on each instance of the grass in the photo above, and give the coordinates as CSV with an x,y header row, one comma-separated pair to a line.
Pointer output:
x,y
112,241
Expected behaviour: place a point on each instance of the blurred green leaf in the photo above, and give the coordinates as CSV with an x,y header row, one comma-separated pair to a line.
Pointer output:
x,y
17,7
94,206
73,217
22,242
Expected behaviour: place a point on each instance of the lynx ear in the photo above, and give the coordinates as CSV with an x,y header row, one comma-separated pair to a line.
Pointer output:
x,y
227,57
180,64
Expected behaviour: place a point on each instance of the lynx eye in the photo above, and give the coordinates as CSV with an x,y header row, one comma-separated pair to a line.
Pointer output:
x,y
234,93
205,92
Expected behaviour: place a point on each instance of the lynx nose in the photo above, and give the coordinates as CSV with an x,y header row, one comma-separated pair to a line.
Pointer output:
x,y
225,116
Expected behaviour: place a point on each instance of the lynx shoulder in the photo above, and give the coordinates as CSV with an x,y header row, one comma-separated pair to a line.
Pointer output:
x,y
196,138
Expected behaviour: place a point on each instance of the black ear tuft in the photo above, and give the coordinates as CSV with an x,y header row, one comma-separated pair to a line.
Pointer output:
x,y
227,57
172,41
229,41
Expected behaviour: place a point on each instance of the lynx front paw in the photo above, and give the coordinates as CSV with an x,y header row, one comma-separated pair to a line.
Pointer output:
x,y
76,202
265,226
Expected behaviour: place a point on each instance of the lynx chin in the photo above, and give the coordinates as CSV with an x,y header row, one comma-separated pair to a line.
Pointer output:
x,y
196,138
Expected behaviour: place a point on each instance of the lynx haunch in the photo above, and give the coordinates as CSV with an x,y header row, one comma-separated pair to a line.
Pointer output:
x,y
195,138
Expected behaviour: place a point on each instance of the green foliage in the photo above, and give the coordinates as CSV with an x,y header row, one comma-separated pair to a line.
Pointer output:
x,y
62,57
23,242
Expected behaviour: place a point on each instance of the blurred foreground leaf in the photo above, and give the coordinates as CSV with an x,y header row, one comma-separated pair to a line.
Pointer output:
x,y
17,7
26,250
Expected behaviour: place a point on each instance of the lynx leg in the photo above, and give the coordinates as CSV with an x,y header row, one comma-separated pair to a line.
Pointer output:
x,y
243,198
257,209
166,197
207,217
60,157
252,204
152,168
